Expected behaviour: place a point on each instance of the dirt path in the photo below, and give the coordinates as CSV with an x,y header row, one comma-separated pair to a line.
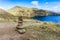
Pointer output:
x,y
8,27
7,30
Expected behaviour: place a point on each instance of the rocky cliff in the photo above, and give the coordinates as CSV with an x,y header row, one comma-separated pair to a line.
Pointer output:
x,y
15,12
21,11
41,12
30,12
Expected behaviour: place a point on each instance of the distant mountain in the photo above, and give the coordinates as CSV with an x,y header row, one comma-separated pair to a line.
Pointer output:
x,y
53,13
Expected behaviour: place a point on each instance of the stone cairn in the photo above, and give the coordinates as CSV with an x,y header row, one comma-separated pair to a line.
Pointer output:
x,y
19,27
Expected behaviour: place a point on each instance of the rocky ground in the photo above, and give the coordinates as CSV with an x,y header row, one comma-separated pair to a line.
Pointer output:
x,y
34,31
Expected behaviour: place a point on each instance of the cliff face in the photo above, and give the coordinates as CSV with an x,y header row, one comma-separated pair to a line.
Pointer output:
x,y
27,12
45,13
41,13
30,12
21,11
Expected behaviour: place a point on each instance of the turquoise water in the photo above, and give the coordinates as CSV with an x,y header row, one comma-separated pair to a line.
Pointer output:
x,y
55,19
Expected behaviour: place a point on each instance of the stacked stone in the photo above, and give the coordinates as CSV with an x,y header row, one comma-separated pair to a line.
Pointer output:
x,y
19,27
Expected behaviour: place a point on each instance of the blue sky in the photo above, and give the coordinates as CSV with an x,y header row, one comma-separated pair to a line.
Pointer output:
x,y
52,5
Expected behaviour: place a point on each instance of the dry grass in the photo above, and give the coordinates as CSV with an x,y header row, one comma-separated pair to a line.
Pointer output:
x,y
46,31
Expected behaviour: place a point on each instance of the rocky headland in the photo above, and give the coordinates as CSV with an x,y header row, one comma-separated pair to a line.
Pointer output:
x,y
35,30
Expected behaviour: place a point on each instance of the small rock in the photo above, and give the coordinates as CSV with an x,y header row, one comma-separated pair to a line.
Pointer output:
x,y
19,28
21,31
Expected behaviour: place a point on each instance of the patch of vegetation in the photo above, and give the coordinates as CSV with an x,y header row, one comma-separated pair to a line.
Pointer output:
x,y
46,31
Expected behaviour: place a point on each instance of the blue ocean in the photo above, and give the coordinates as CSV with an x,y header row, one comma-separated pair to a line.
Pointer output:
x,y
55,19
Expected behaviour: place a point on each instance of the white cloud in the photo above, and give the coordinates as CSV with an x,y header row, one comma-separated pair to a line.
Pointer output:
x,y
52,6
56,7
2,7
35,3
